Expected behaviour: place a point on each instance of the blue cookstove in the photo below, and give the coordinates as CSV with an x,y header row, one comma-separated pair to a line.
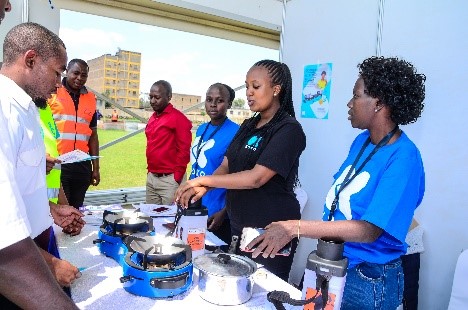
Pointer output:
x,y
157,266
118,225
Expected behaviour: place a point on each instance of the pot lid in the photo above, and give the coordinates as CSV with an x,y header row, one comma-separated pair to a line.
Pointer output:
x,y
225,265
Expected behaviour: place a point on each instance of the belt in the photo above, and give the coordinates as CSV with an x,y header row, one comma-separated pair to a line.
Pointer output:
x,y
160,175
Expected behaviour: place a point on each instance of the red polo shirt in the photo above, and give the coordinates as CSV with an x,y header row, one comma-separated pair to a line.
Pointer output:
x,y
168,139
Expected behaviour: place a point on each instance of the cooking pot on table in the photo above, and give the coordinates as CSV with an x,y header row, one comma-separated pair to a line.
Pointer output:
x,y
225,279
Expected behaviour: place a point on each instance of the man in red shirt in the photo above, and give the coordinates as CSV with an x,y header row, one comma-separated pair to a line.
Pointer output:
x,y
168,138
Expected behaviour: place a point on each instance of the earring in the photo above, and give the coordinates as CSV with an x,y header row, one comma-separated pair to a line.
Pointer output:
x,y
274,94
376,110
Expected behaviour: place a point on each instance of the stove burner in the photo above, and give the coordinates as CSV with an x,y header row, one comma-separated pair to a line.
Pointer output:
x,y
116,226
125,223
157,253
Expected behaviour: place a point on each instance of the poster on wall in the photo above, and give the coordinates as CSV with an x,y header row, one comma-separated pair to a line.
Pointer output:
x,y
316,91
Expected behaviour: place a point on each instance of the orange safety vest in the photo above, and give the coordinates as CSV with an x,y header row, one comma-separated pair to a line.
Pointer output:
x,y
73,125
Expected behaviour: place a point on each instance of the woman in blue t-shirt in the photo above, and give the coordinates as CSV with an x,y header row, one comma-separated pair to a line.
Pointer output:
x,y
207,152
376,190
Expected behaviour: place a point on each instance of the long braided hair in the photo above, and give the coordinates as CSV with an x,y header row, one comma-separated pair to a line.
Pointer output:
x,y
279,75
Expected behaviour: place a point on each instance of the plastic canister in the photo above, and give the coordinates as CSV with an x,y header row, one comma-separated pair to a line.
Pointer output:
x,y
326,263
191,229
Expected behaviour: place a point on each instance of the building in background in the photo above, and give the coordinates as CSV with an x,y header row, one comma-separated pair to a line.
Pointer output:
x,y
117,76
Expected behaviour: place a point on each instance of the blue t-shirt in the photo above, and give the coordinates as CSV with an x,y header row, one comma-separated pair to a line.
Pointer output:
x,y
211,153
385,193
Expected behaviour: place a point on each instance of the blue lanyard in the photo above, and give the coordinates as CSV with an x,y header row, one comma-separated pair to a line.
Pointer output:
x,y
199,145
349,179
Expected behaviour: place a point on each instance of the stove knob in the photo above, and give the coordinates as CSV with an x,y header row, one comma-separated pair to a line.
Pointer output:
x,y
125,279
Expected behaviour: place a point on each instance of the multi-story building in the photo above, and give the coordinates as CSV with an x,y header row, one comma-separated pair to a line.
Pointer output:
x,y
117,76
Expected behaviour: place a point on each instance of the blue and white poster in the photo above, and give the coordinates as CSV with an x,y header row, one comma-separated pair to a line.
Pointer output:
x,y
316,91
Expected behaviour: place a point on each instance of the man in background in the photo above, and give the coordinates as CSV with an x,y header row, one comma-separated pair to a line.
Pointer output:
x,y
115,116
168,146
34,59
74,110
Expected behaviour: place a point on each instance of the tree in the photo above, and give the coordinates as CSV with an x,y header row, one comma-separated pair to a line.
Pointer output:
x,y
238,103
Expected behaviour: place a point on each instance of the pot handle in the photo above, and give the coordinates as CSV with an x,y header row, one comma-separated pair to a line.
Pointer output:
x,y
224,258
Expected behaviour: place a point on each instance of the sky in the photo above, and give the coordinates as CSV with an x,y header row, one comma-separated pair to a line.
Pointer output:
x,y
190,62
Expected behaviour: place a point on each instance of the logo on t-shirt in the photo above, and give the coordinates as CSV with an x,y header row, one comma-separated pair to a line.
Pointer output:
x,y
253,143
359,182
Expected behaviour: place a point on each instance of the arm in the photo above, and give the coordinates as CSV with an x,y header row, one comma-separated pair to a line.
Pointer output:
x,y
183,140
93,144
26,273
248,179
64,272
278,234
62,198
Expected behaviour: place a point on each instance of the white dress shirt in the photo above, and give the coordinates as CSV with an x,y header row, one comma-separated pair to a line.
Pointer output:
x,y
25,209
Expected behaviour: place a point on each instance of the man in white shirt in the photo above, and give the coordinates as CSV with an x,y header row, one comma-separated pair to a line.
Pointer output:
x,y
33,60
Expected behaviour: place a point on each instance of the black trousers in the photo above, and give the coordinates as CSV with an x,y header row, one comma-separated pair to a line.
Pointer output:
x,y
76,179
411,264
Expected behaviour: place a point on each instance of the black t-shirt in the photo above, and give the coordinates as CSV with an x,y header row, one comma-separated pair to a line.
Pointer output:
x,y
278,149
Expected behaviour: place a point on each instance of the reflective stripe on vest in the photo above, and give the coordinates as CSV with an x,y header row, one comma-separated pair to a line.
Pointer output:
x,y
73,118
73,124
72,136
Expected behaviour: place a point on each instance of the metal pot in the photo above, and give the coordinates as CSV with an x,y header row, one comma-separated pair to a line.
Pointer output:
x,y
225,279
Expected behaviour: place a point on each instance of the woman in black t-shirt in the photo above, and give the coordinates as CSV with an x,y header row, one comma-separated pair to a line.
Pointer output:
x,y
260,167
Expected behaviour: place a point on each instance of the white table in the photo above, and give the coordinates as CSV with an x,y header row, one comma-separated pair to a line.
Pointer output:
x,y
99,286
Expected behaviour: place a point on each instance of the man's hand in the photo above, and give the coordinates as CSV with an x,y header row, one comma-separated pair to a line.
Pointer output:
x,y
64,272
50,162
68,218
95,178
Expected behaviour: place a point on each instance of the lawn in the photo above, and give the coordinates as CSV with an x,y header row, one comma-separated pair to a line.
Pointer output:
x,y
123,164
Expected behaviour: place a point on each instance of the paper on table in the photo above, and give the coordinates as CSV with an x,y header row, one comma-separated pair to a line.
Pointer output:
x,y
157,210
75,156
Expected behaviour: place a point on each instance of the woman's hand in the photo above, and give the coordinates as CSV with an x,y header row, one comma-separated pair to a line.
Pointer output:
x,y
275,237
190,191
215,221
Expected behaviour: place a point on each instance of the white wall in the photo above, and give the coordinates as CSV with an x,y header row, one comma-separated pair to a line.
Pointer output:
x,y
430,34
38,11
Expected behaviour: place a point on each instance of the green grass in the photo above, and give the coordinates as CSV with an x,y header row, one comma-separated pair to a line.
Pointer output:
x,y
123,164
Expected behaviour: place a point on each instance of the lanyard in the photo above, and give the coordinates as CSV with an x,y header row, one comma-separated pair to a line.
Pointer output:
x,y
199,145
347,179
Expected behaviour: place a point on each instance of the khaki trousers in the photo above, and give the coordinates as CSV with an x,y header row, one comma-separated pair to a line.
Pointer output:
x,y
160,190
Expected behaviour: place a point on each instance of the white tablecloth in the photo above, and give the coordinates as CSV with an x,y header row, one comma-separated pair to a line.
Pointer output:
x,y
99,286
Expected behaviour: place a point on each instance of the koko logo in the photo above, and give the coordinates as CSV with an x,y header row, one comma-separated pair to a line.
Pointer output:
x,y
253,143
